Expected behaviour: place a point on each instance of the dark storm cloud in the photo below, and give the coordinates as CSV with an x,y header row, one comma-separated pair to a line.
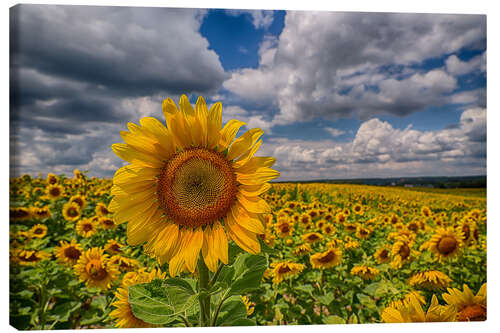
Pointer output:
x,y
75,68
131,51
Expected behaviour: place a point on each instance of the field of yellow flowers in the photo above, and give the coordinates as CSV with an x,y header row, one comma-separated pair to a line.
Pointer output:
x,y
330,254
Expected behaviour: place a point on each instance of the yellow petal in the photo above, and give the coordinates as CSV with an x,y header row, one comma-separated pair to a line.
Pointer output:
x,y
243,159
244,143
243,238
192,249
254,190
220,242
260,176
132,155
256,163
140,228
134,173
253,204
214,124
208,250
391,315
247,220
229,132
201,116
164,138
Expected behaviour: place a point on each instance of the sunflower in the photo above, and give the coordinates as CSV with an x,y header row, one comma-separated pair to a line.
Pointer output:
x,y
30,257
312,237
405,300
71,212
123,263
329,258
305,219
301,250
41,212
248,304
401,252
431,280
358,209
426,211
86,228
283,228
413,312
341,217
468,228
328,229
113,246
182,182
350,227
52,179
446,243
470,307
382,255
362,232
350,243
284,270
79,200
94,269
101,209
365,272
19,213
38,231
106,223
54,192
123,315
68,253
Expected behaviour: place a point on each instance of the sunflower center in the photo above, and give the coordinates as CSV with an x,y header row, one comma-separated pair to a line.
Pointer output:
x,y
474,312
384,254
72,253
38,231
95,270
284,270
404,251
447,245
72,212
55,191
197,187
87,227
328,258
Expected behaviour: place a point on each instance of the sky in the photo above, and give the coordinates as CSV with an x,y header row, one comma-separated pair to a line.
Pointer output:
x,y
339,95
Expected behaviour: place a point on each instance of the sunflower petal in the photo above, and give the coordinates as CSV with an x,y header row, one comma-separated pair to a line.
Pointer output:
x,y
244,143
229,132
253,204
260,176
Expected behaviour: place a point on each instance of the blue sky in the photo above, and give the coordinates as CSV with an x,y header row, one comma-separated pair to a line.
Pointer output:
x,y
339,95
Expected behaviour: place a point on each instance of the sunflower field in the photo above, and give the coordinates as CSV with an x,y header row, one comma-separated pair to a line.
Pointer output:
x,y
328,254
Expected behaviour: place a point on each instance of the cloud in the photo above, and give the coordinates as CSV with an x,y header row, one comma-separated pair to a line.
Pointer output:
x,y
333,65
387,151
334,132
80,73
456,66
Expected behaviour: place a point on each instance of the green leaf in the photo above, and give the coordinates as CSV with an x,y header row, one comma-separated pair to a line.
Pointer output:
x,y
331,320
160,302
248,271
232,310
372,288
326,299
366,301
307,288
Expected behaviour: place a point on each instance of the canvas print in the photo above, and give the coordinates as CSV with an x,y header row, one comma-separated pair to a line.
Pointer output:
x,y
178,167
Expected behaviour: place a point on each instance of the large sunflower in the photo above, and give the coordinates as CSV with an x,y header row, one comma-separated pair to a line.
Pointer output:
x,y
190,184
412,312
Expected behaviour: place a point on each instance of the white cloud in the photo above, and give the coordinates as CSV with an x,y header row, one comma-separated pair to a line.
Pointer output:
x,y
332,65
456,66
380,150
334,131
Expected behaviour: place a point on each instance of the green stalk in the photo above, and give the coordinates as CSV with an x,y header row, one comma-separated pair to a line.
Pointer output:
x,y
203,280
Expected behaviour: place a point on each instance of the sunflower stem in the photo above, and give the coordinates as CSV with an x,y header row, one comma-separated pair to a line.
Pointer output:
x,y
203,287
